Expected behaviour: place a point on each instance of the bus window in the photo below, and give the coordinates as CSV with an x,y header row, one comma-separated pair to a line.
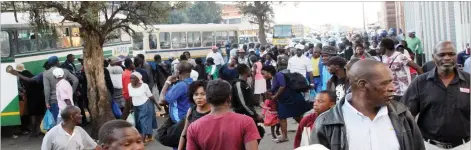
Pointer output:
x,y
63,38
76,40
221,37
47,40
26,41
194,39
251,39
164,38
232,37
5,41
255,39
152,41
208,38
137,41
178,40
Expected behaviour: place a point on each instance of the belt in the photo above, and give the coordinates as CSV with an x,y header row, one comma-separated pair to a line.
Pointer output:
x,y
447,145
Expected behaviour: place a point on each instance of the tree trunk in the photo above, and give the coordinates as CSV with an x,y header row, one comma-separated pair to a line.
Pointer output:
x,y
261,30
98,95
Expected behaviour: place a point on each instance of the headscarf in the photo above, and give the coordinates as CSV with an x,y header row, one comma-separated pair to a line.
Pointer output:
x,y
138,75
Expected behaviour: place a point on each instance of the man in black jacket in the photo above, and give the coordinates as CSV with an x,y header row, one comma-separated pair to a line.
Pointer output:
x,y
368,118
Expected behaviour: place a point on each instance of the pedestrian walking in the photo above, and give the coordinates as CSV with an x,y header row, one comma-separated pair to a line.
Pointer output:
x,y
441,97
233,131
369,117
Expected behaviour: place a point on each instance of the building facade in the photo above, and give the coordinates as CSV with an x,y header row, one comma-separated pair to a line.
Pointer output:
x,y
388,15
439,21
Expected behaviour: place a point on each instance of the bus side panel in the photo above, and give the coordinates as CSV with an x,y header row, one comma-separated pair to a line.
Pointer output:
x,y
10,114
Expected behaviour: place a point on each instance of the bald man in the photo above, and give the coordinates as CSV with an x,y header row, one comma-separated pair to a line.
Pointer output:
x,y
67,135
174,92
368,118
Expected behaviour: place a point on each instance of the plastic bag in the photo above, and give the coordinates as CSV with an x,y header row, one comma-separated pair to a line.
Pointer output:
x,y
131,119
116,110
48,121
312,95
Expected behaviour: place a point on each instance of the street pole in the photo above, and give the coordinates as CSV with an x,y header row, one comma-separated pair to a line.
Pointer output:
x,y
363,7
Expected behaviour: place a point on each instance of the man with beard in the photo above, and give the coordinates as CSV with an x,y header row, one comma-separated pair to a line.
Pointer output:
x,y
368,118
441,96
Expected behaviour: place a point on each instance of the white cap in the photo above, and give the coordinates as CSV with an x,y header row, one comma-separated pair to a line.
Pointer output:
x,y
58,73
251,50
299,46
411,31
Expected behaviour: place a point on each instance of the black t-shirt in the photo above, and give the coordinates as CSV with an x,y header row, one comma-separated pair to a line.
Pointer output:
x,y
339,86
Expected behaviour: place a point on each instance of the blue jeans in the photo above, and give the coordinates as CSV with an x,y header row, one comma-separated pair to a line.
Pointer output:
x,y
54,110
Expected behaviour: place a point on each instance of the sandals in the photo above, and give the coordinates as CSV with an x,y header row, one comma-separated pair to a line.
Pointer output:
x,y
281,140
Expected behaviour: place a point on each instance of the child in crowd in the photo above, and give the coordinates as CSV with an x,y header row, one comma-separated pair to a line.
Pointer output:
x,y
270,116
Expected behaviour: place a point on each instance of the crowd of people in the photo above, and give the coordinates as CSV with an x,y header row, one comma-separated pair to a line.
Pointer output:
x,y
348,95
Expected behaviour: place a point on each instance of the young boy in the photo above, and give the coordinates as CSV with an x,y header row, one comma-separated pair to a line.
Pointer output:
x,y
324,101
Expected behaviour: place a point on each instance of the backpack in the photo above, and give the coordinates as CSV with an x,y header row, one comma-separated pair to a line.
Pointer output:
x,y
296,81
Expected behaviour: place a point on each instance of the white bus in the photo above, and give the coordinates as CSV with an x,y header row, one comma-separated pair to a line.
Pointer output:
x,y
172,40
22,43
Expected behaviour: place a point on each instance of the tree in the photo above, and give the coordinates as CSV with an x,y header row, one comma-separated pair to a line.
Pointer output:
x,y
177,17
260,13
203,12
98,19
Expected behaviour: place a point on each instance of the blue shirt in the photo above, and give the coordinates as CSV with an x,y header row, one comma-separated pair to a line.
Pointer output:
x,y
324,75
178,100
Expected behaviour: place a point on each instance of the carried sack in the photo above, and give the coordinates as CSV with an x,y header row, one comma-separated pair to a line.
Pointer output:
x,y
296,81
48,122
116,110
169,133
131,119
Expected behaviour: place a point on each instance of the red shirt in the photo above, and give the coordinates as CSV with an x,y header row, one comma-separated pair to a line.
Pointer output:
x,y
230,131
307,121
126,81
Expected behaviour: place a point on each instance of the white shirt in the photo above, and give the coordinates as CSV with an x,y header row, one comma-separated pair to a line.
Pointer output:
x,y
300,65
139,95
116,74
366,134
58,139
218,59
194,75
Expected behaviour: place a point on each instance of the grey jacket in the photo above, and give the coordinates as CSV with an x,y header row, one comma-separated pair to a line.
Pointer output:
x,y
330,128
49,82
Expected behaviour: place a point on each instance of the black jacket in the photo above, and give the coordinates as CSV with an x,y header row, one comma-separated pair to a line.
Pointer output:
x,y
330,128
243,99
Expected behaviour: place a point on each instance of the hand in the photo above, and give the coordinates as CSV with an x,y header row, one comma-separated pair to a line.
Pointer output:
x,y
14,72
273,98
172,79
163,102
48,106
313,86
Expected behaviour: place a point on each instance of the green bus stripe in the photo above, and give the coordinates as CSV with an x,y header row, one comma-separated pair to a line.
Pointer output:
x,y
13,106
62,50
7,60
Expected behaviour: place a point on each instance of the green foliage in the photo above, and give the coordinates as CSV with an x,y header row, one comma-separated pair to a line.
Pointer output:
x,y
201,12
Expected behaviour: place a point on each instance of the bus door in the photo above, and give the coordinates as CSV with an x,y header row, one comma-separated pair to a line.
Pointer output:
x,y
10,114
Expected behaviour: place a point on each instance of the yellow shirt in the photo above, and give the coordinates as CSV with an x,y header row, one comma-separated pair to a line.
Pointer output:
x,y
315,66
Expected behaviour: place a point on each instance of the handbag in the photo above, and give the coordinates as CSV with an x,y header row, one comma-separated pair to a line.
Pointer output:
x,y
48,122
116,110
169,133
131,119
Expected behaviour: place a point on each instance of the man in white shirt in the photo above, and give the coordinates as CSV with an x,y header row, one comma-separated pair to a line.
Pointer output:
x,y
217,56
301,64
116,74
68,135
368,118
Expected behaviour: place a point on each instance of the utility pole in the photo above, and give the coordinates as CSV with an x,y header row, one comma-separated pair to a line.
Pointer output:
x,y
363,7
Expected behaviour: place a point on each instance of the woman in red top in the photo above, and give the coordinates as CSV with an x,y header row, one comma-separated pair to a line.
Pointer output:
x,y
324,101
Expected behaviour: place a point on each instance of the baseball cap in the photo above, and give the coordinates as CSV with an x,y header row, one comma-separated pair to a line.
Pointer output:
x,y
299,46
336,60
328,50
214,47
20,67
58,73
251,50
412,31
51,60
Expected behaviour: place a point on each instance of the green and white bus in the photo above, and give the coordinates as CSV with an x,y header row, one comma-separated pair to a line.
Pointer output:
x,y
22,43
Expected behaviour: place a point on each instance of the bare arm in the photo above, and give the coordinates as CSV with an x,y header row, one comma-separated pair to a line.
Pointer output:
x,y
182,143
163,93
278,93
252,145
15,73
415,66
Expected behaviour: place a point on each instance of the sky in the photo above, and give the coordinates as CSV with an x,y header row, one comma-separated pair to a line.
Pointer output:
x,y
318,13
